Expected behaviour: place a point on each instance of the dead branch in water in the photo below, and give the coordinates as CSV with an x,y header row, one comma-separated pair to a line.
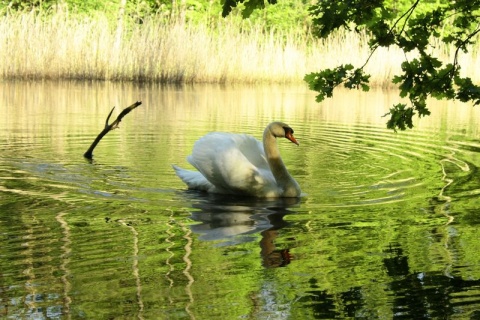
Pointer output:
x,y
108,127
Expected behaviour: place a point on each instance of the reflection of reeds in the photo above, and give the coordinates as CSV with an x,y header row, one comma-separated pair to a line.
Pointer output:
x,y
66,249
171,244
186,258
186,271
63,46
135,268
29,270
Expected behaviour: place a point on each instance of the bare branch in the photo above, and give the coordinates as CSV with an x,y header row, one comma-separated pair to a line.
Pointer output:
x,y
108,127
108,117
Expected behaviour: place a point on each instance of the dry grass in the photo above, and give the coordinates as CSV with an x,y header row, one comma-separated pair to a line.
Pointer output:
x,y
33,46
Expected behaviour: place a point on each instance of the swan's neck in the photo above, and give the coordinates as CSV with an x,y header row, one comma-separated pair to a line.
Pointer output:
x,y
282,176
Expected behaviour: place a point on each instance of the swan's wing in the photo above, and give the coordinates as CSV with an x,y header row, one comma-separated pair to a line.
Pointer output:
x,y
233,163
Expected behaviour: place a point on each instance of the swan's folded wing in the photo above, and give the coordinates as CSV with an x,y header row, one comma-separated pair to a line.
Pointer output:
x,y
232,163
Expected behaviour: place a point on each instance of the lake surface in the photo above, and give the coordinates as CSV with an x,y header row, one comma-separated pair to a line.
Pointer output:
x,y
388,227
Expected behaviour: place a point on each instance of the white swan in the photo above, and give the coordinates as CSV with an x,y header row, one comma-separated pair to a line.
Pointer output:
x,y
239,164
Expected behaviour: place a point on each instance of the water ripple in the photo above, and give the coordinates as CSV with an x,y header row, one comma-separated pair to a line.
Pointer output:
x,y
364,165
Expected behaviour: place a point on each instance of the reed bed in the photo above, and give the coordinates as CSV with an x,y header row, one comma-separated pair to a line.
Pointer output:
x,y
62,46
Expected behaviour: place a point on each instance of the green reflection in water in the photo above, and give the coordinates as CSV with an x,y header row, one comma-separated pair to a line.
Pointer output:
x,y
388,227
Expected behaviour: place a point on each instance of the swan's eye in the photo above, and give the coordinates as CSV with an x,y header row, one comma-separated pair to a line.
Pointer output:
x,y
288,130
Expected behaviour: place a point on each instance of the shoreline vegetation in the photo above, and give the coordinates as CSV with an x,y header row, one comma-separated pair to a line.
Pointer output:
x,y
63,46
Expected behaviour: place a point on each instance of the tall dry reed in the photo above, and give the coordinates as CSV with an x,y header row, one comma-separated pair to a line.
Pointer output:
x,y
63,46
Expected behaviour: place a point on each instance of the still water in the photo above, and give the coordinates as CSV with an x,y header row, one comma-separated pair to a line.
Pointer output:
x,y
388,227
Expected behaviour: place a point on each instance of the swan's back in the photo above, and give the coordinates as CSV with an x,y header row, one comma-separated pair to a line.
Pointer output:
x,y
233,163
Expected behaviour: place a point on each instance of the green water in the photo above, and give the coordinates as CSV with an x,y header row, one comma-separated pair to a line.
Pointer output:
x,y
388,227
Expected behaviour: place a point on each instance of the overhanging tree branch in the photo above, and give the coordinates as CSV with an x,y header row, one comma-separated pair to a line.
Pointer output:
x,y
454,23
423,76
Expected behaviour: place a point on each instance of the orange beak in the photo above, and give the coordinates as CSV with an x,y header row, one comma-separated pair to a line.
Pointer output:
x,y
290,137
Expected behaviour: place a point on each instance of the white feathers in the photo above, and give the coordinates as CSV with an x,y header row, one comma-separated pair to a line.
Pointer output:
x,y
230,164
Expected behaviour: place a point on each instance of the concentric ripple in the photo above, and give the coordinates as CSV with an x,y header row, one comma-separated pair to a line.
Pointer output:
x,y
365,165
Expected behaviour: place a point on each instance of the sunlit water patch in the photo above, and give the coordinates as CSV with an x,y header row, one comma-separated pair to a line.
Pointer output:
x,y
387,226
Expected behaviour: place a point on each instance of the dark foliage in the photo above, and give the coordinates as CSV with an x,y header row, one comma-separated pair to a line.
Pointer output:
x,y
250,5
454,23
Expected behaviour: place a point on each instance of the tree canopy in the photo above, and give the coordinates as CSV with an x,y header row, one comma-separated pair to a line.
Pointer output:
x,y
413,29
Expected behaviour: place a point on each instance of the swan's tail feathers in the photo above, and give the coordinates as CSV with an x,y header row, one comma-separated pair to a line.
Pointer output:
x,y
193,179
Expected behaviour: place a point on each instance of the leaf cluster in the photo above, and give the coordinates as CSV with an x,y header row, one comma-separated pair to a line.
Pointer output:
x,y
453,23
326,80
251,5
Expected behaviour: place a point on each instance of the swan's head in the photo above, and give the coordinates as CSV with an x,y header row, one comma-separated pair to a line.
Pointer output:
x,y
282,130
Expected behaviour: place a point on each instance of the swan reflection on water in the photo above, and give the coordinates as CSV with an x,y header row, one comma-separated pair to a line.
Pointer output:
x,y
233,220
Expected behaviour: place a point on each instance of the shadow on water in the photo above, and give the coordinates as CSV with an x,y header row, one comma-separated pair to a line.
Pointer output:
x,y
231,220
414,294
425,294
